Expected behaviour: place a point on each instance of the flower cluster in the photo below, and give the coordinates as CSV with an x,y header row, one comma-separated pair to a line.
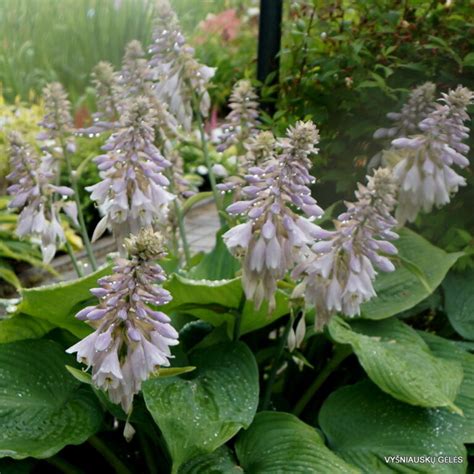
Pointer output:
x,y
132,192
179,77
275,238
339,274
131,339
420,103
57,122
242,120
36,196
424,168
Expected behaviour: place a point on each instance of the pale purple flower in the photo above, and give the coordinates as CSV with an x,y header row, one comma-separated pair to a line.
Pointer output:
x,y
132,193
179,77
420,103
132,338
338,276
39,201
242,120
424,162
275,238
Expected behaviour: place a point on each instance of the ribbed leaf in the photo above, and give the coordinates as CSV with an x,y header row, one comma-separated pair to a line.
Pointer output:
x,y
459,302
221,461
198,414
22,326
363,425
421,267
42,407
397,359
279,443
59,303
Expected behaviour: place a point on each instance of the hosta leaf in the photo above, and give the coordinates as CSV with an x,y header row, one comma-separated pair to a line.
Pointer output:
x,y
42,408
363,425
397,359
221,461
59,303
459,427
217,302
421,267
459,302
198,414
279,442
22,326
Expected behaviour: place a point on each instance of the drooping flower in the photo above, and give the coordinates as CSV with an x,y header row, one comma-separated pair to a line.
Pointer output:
x,y
39,200
338,276
242,120
419,105
132,338
179,77
132,193
275,238
423,163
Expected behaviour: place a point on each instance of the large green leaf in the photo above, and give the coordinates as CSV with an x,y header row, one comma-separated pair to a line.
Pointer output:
x,y
42,407
279,442
217,302
197,415
459,302
363,425
421,267
398,360
459,427
59,303
221,461
22,326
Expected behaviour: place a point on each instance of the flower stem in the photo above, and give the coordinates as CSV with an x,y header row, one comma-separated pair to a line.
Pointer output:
x,y
118,466
74,261
80,215
63,466
238,317
207,159
339,355
275,366
182,232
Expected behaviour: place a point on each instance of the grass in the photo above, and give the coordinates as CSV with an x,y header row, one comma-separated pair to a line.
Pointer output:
x,y
45,40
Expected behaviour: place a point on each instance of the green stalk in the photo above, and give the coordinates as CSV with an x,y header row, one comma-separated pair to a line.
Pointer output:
x,y
148,453
80,215
276,364
238,317
118,466
207,159
63,466
74,261
182,232
340,354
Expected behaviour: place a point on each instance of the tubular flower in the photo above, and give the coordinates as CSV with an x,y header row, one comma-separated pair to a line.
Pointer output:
x,y
260,149
108,93
339,274
274,238
132,192
36,197
242,120
179,77
424,167
57,121
420,104
131,339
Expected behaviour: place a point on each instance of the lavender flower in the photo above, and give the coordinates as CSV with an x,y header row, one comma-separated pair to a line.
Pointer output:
x,y
339,274
132,192
419,105
242,120
274,238
35,195
180,78
424,167
260,149
131,339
